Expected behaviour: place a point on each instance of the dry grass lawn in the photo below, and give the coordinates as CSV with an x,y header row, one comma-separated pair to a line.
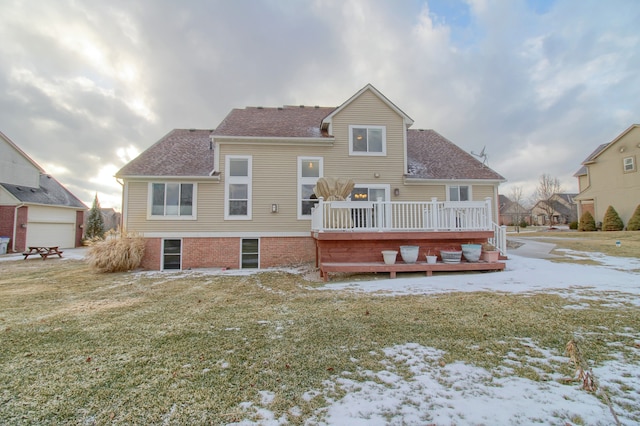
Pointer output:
x,y
189,348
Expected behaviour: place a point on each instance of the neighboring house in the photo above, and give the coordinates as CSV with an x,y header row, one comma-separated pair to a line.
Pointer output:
x,y
512,213
35,209
560,209
609,177
242,195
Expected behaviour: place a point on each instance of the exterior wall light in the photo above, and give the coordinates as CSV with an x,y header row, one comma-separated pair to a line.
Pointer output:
x,y
396,192
274,208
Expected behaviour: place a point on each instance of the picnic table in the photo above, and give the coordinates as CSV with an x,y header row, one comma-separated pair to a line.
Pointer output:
x,y
44,252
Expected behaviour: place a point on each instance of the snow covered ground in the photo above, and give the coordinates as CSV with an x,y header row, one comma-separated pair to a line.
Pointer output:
x,y
463,394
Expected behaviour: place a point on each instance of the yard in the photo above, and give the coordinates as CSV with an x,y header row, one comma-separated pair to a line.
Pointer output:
x,y
280,347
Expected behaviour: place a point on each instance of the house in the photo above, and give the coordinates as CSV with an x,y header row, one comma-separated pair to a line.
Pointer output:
x,y
35,209
512,213
243,195
559,209
609,177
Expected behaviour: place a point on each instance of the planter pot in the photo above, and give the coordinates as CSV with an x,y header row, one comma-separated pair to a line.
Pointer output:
x,y
409,253
490,256
389,256
432,259
451,256
471,252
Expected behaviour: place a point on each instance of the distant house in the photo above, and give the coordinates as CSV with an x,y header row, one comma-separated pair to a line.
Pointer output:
x,y
558,210
609,177
512,213
35,209
242,195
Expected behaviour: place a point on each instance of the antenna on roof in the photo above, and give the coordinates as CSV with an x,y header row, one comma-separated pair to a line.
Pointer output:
x,y
482,155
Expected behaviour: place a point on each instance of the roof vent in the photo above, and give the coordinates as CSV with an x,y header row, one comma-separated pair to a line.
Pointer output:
x,y
280,108
301,106
259,107
18,188
317,106
192,130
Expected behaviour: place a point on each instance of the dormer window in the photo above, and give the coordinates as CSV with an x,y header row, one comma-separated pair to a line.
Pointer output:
x,y
367,140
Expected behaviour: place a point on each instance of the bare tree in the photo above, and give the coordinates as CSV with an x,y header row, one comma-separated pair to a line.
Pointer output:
x,y
548,186
517,198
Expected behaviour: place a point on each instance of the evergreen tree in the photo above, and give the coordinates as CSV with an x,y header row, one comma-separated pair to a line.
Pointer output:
x,y
587,222
612,221
634,222
95,223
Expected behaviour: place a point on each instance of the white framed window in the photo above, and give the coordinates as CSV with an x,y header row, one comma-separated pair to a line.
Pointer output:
x,y
172,200
237,194
629,164
171,254
367,140
459,193
310,169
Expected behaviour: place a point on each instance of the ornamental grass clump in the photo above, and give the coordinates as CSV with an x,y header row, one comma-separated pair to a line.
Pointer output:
x,y
120,251
587,222
634,222
612,221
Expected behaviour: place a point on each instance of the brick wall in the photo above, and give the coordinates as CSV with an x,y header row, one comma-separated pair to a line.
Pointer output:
x,y
285,251
152,253
210,253
225,252
6,223
79,222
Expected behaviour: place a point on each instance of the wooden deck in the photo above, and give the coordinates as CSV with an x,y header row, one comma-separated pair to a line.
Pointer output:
x,y
429,268
362,251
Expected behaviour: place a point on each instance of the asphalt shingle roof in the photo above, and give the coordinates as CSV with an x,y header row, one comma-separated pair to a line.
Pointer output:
x,y
432,156
283,122
182,152
51,192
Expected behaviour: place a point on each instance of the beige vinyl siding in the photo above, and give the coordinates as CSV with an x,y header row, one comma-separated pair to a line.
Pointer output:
x,y
481,192
370,110
209,206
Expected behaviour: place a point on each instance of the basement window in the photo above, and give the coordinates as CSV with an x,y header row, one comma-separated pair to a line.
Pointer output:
x,y
171,254
250,256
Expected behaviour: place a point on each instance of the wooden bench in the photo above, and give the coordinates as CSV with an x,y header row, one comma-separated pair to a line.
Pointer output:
x,y
364,267
44,252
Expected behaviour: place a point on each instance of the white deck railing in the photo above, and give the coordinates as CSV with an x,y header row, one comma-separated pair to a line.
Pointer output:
x,y
386,216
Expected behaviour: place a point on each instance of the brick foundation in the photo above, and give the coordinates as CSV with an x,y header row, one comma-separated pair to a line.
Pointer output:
x,y
225,252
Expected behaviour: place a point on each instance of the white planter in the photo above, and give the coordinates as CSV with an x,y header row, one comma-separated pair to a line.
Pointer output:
x,y
432,259
389,256
471,252
409,253
451,256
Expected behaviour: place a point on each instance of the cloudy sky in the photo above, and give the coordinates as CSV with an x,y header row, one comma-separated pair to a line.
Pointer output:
x,y
87,85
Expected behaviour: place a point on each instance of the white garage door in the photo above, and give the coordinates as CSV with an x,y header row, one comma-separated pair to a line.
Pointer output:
x,y
51,234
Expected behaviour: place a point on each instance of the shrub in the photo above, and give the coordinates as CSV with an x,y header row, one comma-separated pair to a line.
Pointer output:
x,y
634,222
573,225
118,252
523,223
612,221
587,222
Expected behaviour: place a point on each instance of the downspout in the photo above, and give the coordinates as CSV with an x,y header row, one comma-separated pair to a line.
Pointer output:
x,y
15,227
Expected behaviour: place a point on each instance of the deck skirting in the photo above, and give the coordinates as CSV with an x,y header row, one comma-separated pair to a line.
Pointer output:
x,y
429,268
